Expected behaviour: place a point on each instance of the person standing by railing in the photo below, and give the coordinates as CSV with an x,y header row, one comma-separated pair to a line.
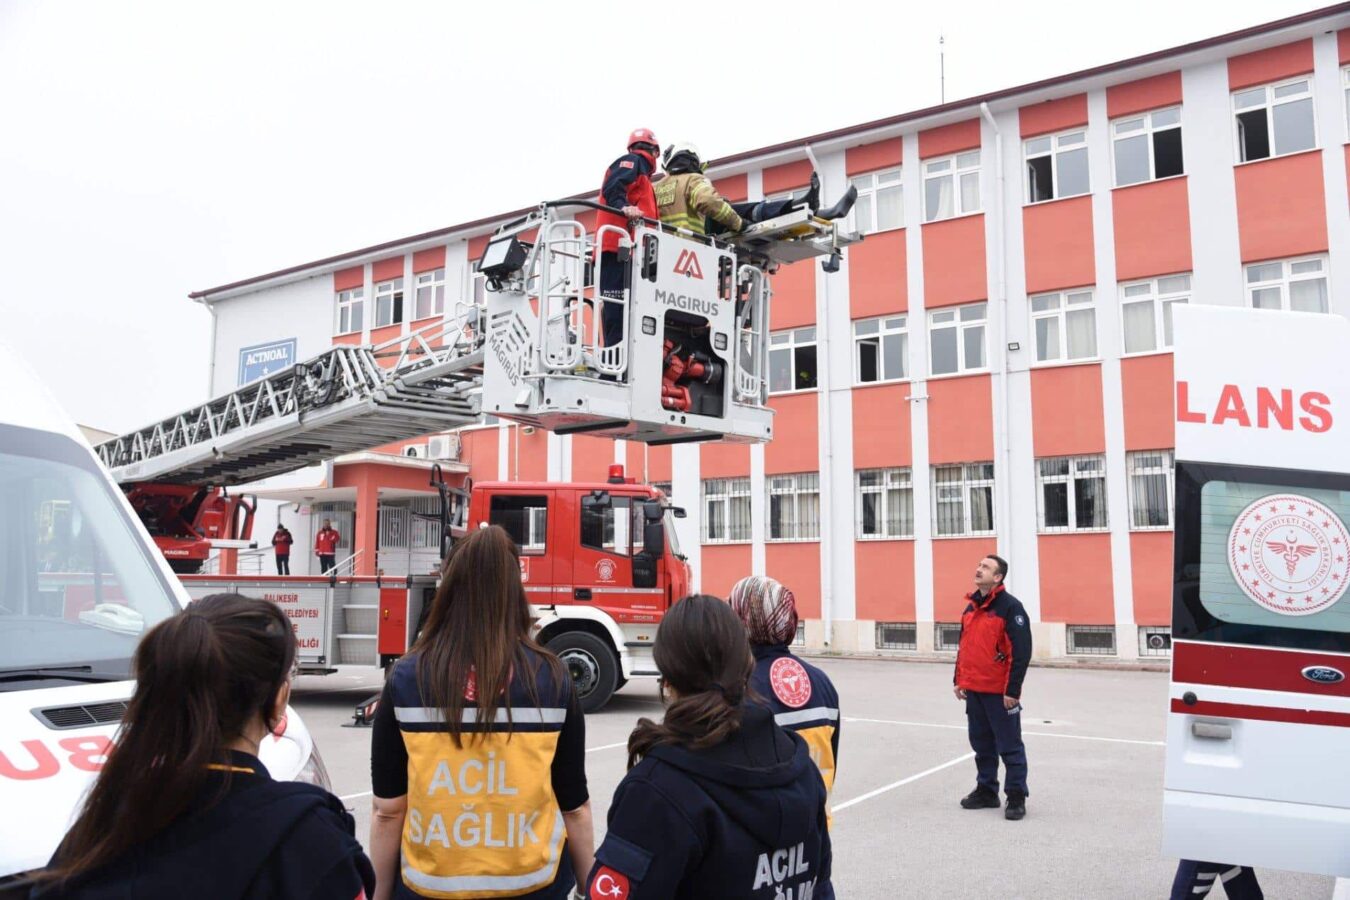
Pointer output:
x,y
325,546
281,543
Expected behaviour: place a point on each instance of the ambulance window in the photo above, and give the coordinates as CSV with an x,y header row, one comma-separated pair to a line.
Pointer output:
x,y
525,518
607,528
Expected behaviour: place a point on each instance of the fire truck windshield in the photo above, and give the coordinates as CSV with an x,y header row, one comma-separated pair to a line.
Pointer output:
x,y
672,537
77,585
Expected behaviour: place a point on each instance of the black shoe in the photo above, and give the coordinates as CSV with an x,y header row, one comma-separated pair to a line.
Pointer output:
x,y
980,798
842,207
1017,807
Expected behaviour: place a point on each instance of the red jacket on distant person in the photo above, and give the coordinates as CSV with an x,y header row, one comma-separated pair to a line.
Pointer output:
x,y
281,542
326,541
628,182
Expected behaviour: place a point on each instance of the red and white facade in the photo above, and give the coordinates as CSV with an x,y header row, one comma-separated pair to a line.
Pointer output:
x,y
989,371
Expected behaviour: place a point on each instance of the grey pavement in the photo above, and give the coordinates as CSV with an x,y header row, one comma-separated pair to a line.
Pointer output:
x,y
1094,817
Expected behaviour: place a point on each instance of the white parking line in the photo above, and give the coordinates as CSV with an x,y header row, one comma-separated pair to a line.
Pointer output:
x,y
902,782
1072,737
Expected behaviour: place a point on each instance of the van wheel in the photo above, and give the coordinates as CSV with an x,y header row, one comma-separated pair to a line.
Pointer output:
x,y
592,664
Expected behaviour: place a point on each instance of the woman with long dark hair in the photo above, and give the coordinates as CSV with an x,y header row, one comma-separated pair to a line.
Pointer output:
x,y
183,807
478,747
718,802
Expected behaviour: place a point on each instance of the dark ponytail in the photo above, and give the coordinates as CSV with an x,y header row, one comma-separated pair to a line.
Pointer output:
x,y
202,677
702,652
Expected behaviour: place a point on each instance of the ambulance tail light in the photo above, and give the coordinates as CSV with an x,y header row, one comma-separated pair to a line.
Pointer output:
x,y
314,771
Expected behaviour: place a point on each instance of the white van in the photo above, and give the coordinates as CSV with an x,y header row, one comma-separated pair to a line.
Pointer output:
x,y
1258,732
80,582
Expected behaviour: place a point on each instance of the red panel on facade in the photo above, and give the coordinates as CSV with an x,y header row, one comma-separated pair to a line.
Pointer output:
x,y
954,262
885,580
476,247
881,426
1343,45
351,340
876,275
1152,224
794,426
724,461
870,157
960,420
386,269
1271,64
479,450
1282,207
528,455
949,139
954,562
648,464
1066,410
1151,570
1073,589
346,279
787,177
733,188
1146,383
1053,115
794,296
431,258
387,333
1059,250
722,565
591,458
796,565
1144,94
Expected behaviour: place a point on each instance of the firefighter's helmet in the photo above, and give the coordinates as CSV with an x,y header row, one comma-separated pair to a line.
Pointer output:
x,y
684,156
642,136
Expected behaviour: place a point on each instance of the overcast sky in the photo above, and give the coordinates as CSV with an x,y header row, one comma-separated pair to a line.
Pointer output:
x,y
151,149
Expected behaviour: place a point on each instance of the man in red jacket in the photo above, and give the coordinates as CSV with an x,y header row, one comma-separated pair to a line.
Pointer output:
x,y
627,187
325,545
991,662
281,543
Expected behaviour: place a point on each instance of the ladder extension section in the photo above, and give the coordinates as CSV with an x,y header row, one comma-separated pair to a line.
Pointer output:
x,y
345,400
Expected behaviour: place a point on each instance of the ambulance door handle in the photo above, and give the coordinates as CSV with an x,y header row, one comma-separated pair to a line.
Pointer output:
x,y
1212,731
582,593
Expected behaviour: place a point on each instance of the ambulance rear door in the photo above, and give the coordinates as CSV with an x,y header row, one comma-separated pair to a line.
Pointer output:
x,y
1258,731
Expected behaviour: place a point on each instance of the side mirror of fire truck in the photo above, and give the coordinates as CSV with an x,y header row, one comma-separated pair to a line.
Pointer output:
x,y
653,531
678,512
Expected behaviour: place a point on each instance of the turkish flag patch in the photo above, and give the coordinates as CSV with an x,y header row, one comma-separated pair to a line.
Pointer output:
x,y
609,885
626,164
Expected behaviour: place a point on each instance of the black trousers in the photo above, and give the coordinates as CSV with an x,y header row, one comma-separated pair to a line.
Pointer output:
x,y
612,284
283,564
326,562
995,733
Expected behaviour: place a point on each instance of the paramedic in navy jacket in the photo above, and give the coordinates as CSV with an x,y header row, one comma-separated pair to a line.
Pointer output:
x,y
991,662
719,802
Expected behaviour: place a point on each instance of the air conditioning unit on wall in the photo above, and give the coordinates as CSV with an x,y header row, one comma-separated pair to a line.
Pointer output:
x,y
415,451
443,446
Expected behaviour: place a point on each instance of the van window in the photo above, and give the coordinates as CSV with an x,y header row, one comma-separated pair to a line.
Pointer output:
x,y
525,518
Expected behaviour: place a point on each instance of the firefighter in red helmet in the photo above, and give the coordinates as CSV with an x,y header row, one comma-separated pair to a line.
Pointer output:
x,y
627,187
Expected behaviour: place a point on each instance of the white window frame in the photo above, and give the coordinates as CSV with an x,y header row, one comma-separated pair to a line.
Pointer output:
x,y
890,481
791,340
1287,278
1160,294
1080,468
978,476
869,185
938,320
730,493
1149,129
1269,104
1141,464
392,291
431,283
955,167
875,331
1345,89
1060,144
794,493
1066,302
347,301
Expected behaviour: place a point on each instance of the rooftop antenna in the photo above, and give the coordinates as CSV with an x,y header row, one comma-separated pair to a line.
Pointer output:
x,y
942,69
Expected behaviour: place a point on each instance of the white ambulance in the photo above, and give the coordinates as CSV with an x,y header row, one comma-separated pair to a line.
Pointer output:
x,y
1258,734
80,582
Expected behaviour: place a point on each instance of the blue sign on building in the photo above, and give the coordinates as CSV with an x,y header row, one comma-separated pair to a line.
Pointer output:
x,y
265,359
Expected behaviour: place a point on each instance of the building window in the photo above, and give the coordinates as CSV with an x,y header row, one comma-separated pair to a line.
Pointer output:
x,y
429,294
665,487
799,639
947,636
1146,311
956,339
1297,285
1274,119
1155,640
951,186
885,504
1071,493
351,306
794,507
897,636
792,361
726,510
389,302
1057,166
1150,481
1345,82
1065,324
1147,147
880,350
1092,640
879,206
963,499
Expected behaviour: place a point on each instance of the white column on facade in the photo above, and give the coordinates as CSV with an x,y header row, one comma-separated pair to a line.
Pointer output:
x,y
559,457
409,295
621,458
504,451
686,483
1207,133
1109,347
759,510
368,292
911,180
1329,97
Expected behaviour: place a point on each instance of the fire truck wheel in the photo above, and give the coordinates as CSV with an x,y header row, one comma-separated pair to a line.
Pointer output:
x,y
595,671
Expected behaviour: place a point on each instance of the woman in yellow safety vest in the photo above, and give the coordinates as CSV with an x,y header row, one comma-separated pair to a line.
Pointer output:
x,y
478,748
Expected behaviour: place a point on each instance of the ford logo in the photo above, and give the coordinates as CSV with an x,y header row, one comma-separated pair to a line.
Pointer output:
x,y
1323,674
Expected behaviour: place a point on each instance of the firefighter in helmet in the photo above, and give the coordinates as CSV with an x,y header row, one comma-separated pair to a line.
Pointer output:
x,y
686,198
627,187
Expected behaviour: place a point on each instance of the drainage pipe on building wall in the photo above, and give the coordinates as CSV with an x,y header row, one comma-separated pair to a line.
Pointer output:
x,y
826,476
211,360
1003,485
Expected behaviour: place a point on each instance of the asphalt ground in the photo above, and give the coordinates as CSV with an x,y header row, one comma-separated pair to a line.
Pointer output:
x,y
1094,817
